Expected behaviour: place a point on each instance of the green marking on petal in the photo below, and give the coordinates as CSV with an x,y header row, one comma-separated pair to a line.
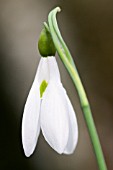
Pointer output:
x,y
43,87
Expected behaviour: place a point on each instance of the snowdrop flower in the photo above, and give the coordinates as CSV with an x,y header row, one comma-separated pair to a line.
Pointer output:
x,y
49,109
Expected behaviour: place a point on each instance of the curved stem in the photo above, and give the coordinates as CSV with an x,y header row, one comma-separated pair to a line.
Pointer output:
x,y
69,64
55,25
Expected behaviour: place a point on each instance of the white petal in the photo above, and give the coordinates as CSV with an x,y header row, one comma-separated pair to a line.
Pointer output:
x,y
54,117
43,70
73,130
30,121
53,70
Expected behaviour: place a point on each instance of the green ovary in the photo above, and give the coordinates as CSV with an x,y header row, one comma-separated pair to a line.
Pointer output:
x,y
43,87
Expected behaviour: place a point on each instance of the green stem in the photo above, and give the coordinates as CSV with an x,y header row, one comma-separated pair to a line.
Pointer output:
x,y
94,138
55,25
69,64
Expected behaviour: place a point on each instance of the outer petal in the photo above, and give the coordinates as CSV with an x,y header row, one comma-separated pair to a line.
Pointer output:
x,y
53,70
30,121
54,117
73,129
43,70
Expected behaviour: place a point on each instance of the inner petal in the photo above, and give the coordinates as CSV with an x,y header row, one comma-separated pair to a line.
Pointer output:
x,y
43,87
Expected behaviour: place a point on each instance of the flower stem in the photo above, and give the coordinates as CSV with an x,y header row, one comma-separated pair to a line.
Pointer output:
x,y
70,66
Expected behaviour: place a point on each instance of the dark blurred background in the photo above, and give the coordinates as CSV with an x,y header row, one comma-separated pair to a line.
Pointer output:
x,y
87,27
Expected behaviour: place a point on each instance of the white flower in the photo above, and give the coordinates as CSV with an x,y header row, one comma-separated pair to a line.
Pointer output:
x,y
49,110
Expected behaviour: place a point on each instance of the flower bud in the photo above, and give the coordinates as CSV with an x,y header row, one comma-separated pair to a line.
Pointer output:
x,y
45,44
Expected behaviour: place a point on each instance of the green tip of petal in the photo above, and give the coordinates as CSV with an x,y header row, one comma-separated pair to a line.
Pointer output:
x,y
43,87
45,44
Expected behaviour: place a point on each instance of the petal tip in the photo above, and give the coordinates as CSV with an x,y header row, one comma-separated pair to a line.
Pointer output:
x,y
28,151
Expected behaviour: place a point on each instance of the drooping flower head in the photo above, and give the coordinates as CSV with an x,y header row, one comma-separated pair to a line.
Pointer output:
x,y
49,109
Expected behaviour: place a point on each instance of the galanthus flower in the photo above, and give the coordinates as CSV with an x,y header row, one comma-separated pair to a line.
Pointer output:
x,y
49,109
